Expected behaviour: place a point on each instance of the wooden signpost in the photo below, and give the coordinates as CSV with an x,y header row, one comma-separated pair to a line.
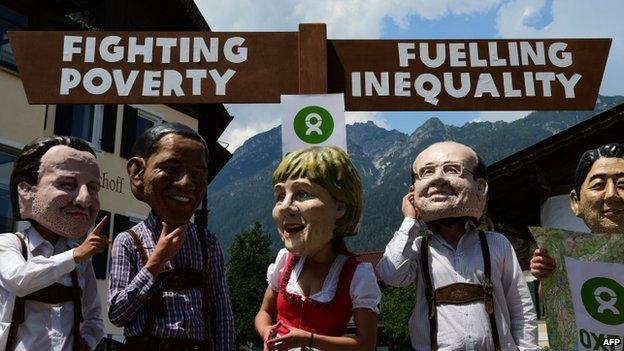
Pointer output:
x,y
259,67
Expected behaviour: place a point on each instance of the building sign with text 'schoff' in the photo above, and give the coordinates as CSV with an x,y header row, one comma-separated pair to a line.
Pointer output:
x,y
259,67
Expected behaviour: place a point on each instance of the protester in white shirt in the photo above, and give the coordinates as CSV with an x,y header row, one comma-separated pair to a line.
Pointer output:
x,y
48,293
475,306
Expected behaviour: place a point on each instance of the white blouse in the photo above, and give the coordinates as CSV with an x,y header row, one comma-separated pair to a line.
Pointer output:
x,y
364,290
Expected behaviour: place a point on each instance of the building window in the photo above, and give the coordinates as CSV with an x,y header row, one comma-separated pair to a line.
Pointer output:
x,y
135,122
88,122
9,20
6,214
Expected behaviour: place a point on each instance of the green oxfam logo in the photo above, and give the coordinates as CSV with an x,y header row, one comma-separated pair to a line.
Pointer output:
x,y
314,124
604,300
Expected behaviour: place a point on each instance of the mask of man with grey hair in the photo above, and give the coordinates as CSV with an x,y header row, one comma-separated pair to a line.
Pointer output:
x,y
447,182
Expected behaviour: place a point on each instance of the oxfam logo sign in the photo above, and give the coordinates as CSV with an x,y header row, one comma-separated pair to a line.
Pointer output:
x,y
604,300
313,124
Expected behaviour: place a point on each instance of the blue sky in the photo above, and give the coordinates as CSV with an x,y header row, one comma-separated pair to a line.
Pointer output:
x,y
418,19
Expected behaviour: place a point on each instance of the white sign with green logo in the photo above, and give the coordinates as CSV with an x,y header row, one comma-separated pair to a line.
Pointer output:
x,y
585,294
597,292
313,120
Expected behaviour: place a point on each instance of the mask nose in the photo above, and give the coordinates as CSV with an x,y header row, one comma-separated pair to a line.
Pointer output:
x,y
83,198
611,192
186,182
287,207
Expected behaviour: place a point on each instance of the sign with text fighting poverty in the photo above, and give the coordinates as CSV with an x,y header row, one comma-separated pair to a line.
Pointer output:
x,y
584,297
258,67
155,67
313,120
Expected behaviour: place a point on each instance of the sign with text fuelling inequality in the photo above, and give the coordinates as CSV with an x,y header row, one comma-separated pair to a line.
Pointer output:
x,y
259,67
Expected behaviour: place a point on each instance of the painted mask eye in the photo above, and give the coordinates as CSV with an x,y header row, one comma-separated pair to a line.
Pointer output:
x,y
426,172
303,195
452,169
279,197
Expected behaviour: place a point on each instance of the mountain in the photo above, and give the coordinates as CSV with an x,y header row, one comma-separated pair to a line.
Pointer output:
x,y
242,192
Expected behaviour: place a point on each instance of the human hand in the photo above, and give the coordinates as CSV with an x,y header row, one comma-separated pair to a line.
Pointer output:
x,y
542,265
269,333
83,345
408,208
166,248
293,339
94,243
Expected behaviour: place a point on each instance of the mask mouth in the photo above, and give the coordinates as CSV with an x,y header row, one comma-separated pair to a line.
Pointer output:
x,y
613,212
291,229
180,198
78,214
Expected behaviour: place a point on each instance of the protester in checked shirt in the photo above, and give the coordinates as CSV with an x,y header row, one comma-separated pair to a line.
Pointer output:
x,y
167,284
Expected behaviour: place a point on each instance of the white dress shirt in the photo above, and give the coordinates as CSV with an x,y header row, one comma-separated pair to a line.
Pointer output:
x,y
45,327
462,326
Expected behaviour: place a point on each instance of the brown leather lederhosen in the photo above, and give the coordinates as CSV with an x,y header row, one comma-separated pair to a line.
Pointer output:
x,y
53,294
459,293
178,279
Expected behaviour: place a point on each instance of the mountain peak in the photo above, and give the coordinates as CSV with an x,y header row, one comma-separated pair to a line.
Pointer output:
x,y
432,124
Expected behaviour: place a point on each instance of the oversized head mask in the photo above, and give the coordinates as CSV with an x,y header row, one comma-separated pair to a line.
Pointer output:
x,y
65,199
600,202
445,185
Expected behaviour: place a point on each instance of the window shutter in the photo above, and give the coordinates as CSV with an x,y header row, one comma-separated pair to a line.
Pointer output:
x,y
122,223
109,124
63,119
129,131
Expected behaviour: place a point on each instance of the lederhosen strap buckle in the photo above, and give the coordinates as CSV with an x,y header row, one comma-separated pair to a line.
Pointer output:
x,y
178,279
459,293
52,294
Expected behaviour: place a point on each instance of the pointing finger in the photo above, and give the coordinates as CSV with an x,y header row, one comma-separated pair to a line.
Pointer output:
x,y
98,228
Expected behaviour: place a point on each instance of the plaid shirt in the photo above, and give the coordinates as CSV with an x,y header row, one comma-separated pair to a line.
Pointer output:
x,y
131,285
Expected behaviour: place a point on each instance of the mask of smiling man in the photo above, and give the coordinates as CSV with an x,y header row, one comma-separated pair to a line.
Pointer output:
x,y
445,184
57,186
598,197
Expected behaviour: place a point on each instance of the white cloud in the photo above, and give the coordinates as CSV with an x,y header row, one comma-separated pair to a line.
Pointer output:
x,y
351,19
507,116
571,19
363,117
249,120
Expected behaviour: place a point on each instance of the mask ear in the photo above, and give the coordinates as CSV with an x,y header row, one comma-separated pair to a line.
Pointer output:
x,y
574,203
482,186
25,195
341,209
135,168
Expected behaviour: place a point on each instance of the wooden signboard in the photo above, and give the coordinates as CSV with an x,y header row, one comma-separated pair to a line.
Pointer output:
x,y
259,67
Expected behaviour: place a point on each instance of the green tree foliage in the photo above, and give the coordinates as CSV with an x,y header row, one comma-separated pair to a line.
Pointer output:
x,y
249,257
396,308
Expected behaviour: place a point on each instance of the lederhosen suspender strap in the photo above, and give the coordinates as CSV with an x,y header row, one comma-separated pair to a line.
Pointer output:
x,y
488,289
55,293
155,305
430,291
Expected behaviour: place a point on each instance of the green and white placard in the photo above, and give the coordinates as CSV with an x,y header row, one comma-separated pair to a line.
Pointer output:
x,y
313,120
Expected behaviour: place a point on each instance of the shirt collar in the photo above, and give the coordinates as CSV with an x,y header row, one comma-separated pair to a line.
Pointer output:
x,y
35,240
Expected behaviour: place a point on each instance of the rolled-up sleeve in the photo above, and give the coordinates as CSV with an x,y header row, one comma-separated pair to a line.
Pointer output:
x,y
128,289
398,266
22,277
523,320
